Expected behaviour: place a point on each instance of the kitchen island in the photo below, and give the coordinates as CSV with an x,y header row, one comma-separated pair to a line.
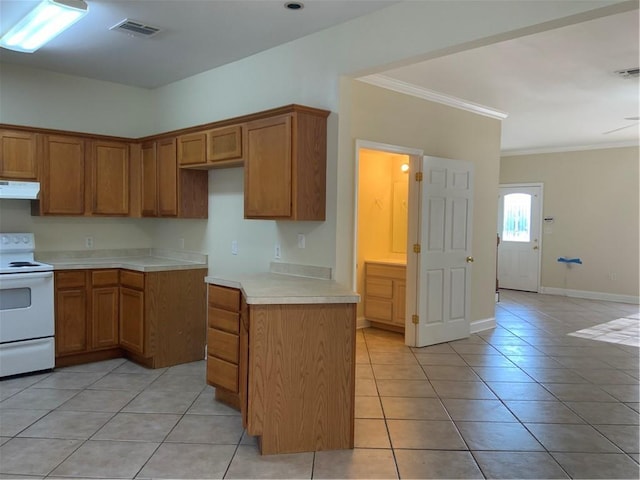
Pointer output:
x,y
281,349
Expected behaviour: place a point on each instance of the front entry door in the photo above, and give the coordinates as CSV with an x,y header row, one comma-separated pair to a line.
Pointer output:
x,y
443,287
519,209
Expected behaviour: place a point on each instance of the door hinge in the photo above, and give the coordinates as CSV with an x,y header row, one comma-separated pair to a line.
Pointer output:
x,y
415,319
418,176
416,248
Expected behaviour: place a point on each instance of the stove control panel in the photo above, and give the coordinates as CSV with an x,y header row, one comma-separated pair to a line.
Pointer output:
x,y
17,242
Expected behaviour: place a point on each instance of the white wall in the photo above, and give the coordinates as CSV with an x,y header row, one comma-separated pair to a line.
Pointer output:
x,y
43,99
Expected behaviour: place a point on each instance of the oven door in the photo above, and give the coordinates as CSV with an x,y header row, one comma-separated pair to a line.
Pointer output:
x,y
26,306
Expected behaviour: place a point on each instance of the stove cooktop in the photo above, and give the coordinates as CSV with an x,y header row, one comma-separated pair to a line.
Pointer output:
x,y
16,254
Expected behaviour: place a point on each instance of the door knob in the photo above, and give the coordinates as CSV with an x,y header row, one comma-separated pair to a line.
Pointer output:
x,y
536,247
469,259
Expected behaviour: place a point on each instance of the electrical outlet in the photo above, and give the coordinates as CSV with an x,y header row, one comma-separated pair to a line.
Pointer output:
x,y
277,253
613,276
181,243
301,240
234,247
88,242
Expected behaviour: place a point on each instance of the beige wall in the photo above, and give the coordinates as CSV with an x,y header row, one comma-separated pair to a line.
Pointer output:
x,y
379,115
593,197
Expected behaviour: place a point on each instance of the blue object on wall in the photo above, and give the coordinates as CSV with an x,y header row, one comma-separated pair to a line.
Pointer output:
x,y
570,260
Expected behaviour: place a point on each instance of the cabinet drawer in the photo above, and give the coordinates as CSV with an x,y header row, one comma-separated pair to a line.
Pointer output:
x,y
224,297
223,345
379,287
222,374
389,271
132,279
224,320
101,278
378,310
70,279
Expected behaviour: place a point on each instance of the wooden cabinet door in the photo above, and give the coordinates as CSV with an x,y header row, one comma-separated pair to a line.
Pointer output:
x,y
192,149
62,185
104,307
267,168
399,301
132,320
109,178
70,313
167,178
149,183
18,155
224,143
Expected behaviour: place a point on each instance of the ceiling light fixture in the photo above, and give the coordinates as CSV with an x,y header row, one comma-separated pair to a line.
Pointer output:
x,y
43,23
294,5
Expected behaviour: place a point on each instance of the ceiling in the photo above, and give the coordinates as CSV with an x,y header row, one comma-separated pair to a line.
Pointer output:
x,y
196,36
557,87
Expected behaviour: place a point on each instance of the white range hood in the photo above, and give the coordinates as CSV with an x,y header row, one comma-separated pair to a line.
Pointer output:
x,y
19,190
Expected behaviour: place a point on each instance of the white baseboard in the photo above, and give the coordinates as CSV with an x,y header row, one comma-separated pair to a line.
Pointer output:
x,y
482,325
362,322
608,297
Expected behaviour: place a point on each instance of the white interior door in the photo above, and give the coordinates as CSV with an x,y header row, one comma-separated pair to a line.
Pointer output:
x,y
443,286
519,208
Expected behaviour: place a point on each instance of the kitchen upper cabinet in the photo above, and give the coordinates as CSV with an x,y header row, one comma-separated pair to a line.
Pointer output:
x,y
167,178
285,166
18,155
62,184
166,190
192,149
109,174
224,144
149,183
217,147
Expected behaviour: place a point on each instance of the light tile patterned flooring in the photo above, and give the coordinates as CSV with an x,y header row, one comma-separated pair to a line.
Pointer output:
x,y
525,400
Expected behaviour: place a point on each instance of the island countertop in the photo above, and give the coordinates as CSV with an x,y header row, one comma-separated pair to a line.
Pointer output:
x,y
280,289
141,260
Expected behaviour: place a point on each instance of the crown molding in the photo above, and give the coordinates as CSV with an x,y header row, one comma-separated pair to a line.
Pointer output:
x,y
409,89
576,148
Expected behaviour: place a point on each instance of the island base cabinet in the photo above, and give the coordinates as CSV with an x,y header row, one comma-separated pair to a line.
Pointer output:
x,y
301,377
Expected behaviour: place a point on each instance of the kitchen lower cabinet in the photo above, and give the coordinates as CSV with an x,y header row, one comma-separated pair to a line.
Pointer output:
x,y
157,319
86,315
385,295
163,316
295,370
71,312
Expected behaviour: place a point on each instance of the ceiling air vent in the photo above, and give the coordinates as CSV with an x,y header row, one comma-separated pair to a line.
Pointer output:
x,y
628,72
135,28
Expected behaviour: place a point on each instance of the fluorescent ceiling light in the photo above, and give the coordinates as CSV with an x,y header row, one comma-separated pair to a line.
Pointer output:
x,y
42,24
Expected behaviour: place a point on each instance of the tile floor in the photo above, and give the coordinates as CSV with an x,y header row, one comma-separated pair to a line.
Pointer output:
x,y
525,400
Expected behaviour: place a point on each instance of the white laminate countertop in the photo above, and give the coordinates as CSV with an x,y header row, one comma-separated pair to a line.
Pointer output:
x,y
141,260
280,289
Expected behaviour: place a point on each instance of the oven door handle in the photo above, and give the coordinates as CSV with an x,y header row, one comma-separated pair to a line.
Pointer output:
x,y
25,276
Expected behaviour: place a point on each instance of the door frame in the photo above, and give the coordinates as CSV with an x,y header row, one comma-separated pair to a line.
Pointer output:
x,y
415,155
540,223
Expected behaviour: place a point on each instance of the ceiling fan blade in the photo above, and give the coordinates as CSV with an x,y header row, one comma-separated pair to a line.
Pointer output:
x,y
621,128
